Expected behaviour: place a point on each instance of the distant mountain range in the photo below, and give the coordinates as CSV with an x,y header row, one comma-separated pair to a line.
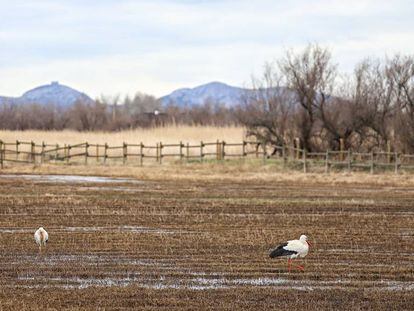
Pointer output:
x,y
64,96
215,92
54,93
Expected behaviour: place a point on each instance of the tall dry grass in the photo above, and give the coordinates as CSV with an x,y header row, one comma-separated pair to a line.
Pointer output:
x,y
149,136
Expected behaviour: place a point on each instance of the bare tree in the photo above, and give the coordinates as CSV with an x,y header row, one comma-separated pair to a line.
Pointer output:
x,y
8,113
400,70
311,75
339,118
267,109
375,101
88,116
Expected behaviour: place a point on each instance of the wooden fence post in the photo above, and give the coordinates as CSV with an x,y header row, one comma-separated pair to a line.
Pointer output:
x,y
97,152
201,151
342,149
218,150
105,152
188,152
141,153
160,154
389,151
396,162
32,152
349,160
372,163
42,154
223,152
68,154
86,153
305,169
17,149
244,149
65,152
327,162
56,152
297,148
181,151
156,153
1,154
124,152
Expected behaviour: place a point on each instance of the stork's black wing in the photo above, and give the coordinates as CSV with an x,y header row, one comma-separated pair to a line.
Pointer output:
x,y
280,251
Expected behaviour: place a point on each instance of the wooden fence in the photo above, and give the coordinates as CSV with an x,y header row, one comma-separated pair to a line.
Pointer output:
x,y
140,154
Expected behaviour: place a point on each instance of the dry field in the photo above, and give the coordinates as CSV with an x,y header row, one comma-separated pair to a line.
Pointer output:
x,y
176,243
150,136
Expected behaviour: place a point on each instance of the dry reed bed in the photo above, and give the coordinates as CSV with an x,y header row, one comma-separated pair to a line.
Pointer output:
x,y
185,244
150,136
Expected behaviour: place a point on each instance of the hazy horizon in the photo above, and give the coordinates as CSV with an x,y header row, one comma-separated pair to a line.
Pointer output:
x,y
111,47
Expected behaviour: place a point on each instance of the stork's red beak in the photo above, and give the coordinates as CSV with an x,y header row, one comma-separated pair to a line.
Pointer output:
x,y
309,243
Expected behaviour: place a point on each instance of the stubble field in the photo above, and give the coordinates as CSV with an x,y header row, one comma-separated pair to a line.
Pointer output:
x,y
177,244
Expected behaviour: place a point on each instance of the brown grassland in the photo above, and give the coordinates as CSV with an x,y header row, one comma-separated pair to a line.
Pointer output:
x,y
197,236
149,136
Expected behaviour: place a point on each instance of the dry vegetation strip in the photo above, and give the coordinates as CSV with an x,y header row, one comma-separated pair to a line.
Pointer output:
x,y
189,243
149,136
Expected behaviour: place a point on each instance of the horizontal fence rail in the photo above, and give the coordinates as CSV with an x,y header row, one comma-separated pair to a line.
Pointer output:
x,y
140,153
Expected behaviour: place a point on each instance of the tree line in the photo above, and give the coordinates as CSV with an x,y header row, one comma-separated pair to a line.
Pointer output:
x,y
300,97
113,114
303,95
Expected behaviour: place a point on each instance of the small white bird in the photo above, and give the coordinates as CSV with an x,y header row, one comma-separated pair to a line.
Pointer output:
x,y
292,249
41,238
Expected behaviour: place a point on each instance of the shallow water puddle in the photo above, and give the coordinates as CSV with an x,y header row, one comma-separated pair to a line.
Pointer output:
x,y
52,260
111,188
71,178
205,283
17,230
137,229
76,282
133,229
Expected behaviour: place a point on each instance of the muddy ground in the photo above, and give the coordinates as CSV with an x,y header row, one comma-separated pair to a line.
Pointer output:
x,y
195,244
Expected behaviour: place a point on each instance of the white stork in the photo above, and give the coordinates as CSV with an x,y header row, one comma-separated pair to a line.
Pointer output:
x,y
41,238
292,249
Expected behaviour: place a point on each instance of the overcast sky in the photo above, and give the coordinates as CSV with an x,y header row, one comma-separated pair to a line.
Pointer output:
x,y
114,46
